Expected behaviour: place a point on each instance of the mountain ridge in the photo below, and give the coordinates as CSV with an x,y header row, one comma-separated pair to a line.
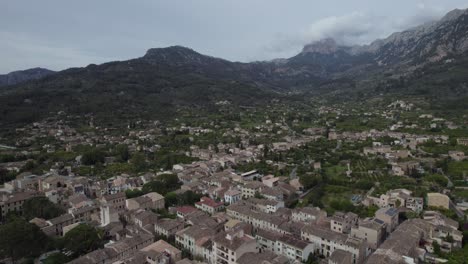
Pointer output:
x,y
164,80
410,44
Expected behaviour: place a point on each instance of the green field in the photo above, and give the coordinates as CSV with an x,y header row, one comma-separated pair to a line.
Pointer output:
x,y
458,169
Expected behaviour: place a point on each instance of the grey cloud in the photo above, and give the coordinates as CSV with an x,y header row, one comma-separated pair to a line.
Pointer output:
x,y
23,51
356,28
59,34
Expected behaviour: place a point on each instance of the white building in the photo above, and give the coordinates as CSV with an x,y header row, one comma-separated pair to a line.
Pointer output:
x,y
193,238
326,242
286,245
308,214
228,247
232,196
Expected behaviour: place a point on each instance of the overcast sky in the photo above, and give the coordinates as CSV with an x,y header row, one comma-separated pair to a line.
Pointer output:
x,y
59,34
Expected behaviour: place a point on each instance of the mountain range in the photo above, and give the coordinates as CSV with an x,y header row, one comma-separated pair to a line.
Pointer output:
x,y
430,60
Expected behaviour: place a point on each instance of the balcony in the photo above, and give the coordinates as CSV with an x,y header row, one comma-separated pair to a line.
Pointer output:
x,y
223,256
221,261
223,249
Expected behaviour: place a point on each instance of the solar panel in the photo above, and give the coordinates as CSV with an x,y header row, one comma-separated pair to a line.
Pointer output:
x,y
391,211
379,221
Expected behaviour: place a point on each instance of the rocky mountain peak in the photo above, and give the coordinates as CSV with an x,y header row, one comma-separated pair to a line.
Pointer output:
x,y
454,14
176,53
324,46
430,42
172,50
177,56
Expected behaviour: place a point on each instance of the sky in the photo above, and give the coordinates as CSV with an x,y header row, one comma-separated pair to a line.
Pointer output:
x,y
59,34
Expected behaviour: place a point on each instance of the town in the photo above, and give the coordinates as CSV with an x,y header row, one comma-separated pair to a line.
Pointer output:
x,y
336,184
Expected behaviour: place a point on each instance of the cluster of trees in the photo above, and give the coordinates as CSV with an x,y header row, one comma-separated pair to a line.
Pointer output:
x,y
164,184
188,197
37,166
122,153
82,239
262,167
130,162
138,162
20,239
6,175
41,207
133,193
437,178
92,157
57,258
310,180
166,159
342,205
11,158
164,213
454,257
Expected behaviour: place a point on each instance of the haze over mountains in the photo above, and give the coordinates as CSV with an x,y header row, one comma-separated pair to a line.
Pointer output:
x,y
429,60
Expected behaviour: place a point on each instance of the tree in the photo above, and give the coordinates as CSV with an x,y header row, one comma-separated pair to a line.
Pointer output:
x,y
163,213
364,184
163,184
3,175
171,199
258,195
139,162
411,215
170,180
41,207
398,203
436,247
458,256
83,239
7,158
123,220
92,156
133,193
311,259
122,152
189,197
437,178
6,176
309,181
449,238
169,163
342,205
56,258
21,239
30,165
